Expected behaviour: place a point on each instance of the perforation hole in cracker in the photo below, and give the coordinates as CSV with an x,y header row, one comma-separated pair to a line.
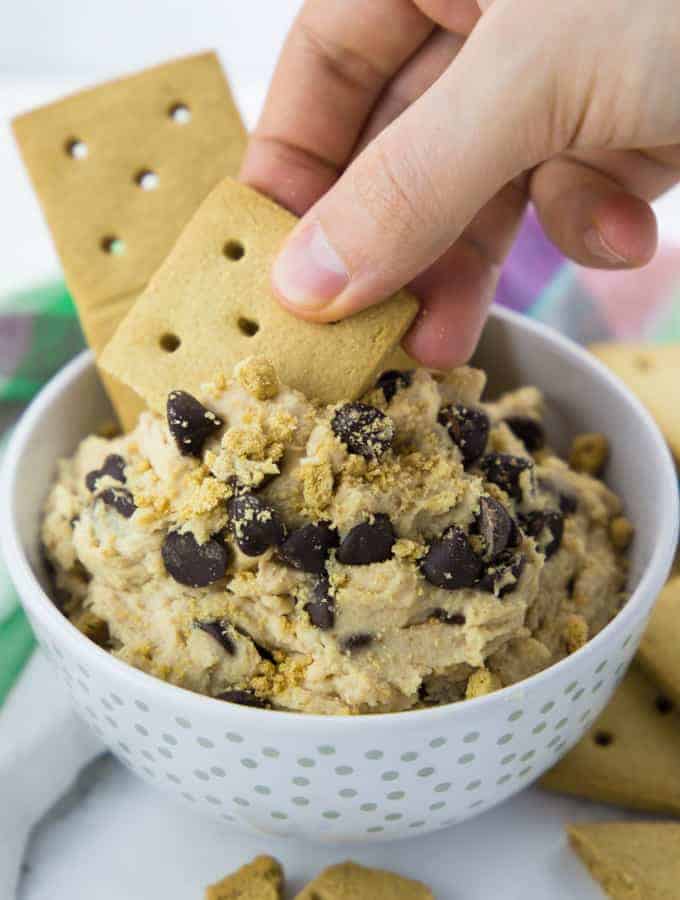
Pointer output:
x,y
214,291
664,705
169,342
234,250
180,113
112,245
603,738
76,148
147,179
246,326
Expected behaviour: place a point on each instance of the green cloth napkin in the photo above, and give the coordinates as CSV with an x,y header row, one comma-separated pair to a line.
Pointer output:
x,y
39,332
16,644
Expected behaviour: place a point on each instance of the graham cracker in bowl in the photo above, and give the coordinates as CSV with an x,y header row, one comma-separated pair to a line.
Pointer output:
x,y
210,305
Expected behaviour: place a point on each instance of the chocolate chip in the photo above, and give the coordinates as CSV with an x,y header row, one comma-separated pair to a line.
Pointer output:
x,y
496,572
243,698
515,536
528,430
450,562
113,466
363,429
368,542
448,618
354,642
190,423
568,503
505,470
495,526
321,606
194,564
307,547
392,381
468,428
119,499
570,585
255,523
217,631
536,522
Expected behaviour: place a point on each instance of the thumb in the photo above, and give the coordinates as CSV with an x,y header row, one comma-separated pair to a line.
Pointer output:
x,y
412,191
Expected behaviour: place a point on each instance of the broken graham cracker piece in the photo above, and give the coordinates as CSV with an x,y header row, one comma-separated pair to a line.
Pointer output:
x,y
630,755
631,860
210,305
119,169
652,372
350,881
261,879
658,654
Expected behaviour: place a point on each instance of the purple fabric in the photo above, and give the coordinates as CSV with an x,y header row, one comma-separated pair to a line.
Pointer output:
x,y
531,265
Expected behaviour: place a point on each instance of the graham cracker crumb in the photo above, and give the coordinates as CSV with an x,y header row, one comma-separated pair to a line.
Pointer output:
x,y
621,532
482,682
215,388
273,680
205,494
589,453
407,549
317,487
252,449
575,633
258,376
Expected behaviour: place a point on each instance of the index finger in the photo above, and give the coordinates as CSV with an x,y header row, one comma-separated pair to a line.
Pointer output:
x,y
335,62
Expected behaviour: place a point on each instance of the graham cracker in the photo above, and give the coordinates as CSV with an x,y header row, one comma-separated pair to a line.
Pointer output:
x,y
652,372
630,756
631,860
93,158
658,653
261,879
350,881
211,304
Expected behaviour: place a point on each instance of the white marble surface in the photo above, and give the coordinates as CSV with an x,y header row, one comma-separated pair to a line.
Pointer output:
x,y
117,838
113,837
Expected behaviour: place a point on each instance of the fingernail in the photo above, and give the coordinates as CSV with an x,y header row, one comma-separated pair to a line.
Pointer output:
x,y
308,272
598,246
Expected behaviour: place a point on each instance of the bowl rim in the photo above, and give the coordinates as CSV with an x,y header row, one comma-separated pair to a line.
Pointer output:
x,y
39,604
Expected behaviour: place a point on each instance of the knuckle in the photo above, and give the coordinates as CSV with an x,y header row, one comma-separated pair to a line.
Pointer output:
x,y
340,61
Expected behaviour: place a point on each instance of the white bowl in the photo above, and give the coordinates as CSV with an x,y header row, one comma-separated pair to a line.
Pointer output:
x,y
355,778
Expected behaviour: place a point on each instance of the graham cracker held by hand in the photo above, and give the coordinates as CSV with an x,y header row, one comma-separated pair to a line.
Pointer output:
x,y
119,169
261,879
210,305
630,756
652,372
631,860
659,653
349,881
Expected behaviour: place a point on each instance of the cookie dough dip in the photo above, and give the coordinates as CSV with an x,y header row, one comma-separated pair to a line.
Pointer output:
x,y
413,548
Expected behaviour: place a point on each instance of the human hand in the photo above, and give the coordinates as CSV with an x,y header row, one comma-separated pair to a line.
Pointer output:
x,y
412,133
